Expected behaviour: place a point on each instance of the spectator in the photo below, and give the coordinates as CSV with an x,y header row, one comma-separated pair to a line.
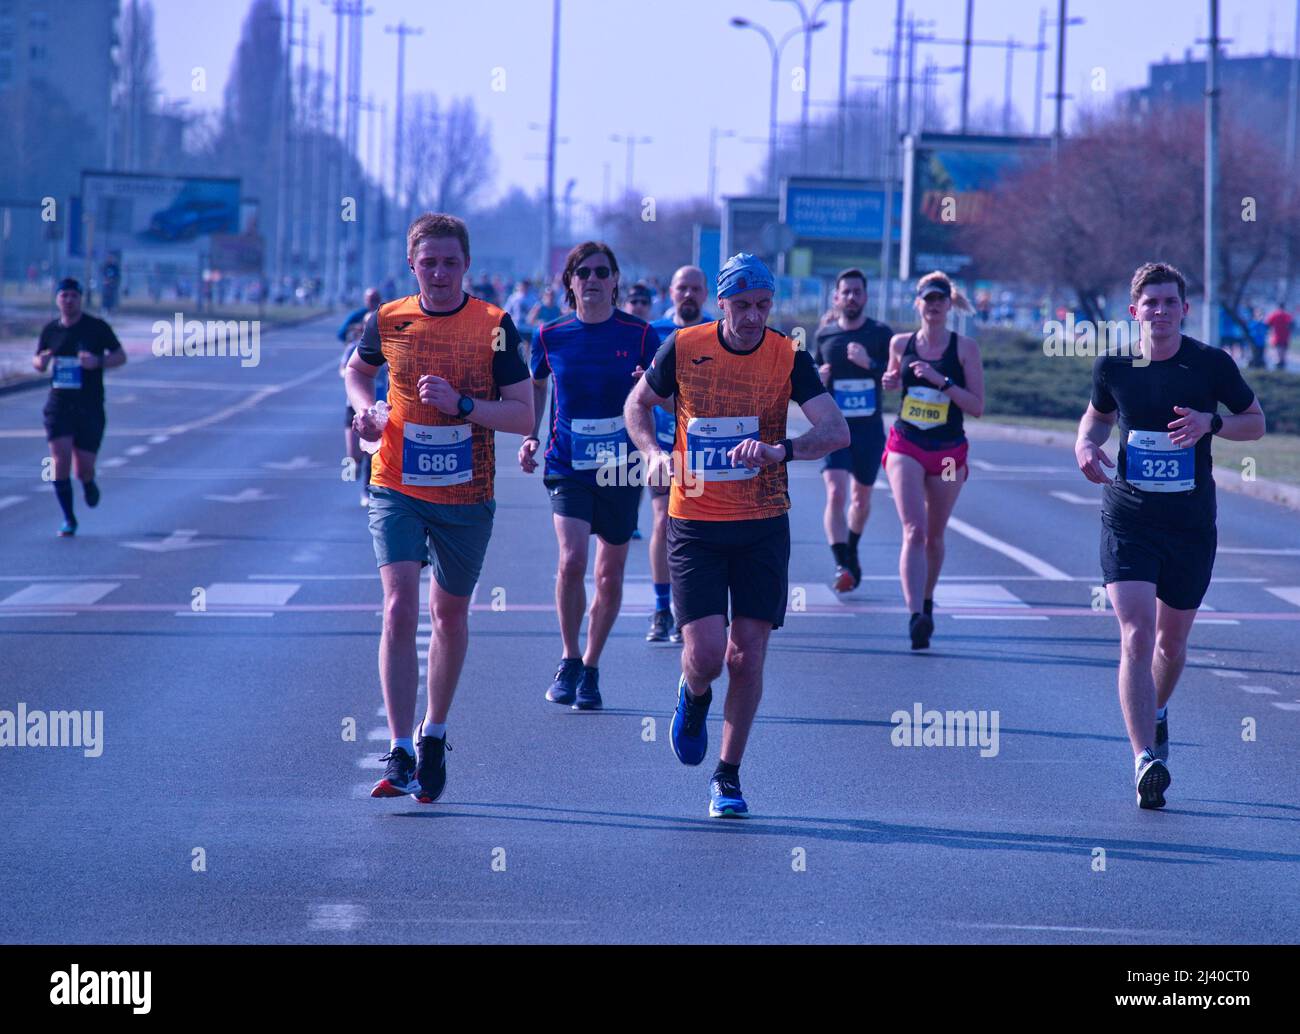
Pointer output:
x,y
1279,324
545,310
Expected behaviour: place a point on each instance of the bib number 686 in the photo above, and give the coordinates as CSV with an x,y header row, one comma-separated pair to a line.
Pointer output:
x,y
436,462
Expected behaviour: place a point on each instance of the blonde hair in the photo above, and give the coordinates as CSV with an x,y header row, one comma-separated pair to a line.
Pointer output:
x,y
959,300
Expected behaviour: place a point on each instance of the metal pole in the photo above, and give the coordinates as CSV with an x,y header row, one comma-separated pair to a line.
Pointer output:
x,y
1209,321
1060,76
911,60
807,90
333,244
1006,102
771,119
844,91
1038,75
713,162
399,173
965,65
1293,102
282,188
548,221
891,166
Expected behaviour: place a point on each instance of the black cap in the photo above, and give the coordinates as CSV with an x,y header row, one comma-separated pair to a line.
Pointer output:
x,y
639,292
70,284
934,287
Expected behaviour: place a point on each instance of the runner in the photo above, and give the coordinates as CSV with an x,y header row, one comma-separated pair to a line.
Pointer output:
x,y
728,528
1158,532
925,453
350,335
851,354
687,291
596,354
457,376
81,348
639,300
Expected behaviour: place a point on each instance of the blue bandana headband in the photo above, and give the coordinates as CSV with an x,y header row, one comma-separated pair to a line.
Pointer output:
x,y
744,272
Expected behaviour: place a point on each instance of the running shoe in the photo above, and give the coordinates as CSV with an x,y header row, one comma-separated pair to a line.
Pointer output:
x,y
399,777
68,530
661,626
920,628
588,697
675,636
431,766
1161,751
92,493
1152,780
725,799
564,690
690,734
844,581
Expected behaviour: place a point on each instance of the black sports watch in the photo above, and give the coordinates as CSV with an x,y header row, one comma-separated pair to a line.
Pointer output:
x,y
1216,424
947,383
789,449
465,406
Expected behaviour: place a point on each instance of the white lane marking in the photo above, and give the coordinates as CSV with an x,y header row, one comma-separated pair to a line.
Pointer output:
x,y
1283,706
374,576
1250,551
59,577
380,735
1040,567
10,500
976,595
256,399
1078,500
815,593
1225,674
137,450
251,594
248,495
181,538
1060,929
297,463
116,461
69,594
370,761
1200,620
159,439
998,617
1015,468
6,613
173,385
223,614
1290,593
340,915
1260,690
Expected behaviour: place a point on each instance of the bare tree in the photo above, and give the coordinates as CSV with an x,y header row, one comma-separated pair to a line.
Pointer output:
x,y
138,95
447,154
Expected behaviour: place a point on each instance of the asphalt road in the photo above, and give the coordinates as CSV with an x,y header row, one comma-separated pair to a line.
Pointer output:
x,y
224,731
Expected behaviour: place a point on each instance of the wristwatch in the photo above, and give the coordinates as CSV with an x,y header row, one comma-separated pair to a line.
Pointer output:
x,y
788,445
465,406
1216,424
947,383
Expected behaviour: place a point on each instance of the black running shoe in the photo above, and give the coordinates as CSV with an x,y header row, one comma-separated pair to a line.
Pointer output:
x,y
920,628
92,493
588,695
1152,779
675,636
564,690
431,768
399,776
661,625
1162,739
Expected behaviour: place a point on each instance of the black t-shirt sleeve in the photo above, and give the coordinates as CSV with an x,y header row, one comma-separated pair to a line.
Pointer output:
x,y
508,365
1102,400
43,342
1230,386
662,375
371,348
107,339
805,384
817,351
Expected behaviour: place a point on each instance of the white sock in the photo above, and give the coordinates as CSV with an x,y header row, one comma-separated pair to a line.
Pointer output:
x,y
1162,713
437,731
407,745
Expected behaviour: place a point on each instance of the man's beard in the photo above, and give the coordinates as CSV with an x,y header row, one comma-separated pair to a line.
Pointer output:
x,y
851,313
688,310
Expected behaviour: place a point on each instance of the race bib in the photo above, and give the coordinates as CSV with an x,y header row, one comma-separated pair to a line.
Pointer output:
x,y
855,397
708,440
924,407
597,443
1155,464
67,372
665,427
434,457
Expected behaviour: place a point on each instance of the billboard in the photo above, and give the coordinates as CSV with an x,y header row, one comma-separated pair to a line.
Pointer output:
x,y
752,224
837,209
707,252
159,218
946,183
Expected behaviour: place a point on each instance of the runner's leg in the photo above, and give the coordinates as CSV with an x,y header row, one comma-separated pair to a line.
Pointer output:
x,y
447,649
1134,604
837,498
399,668
907,482
570,589
659,540
859,507
746,655
940,498
607,599
1173,627
704,652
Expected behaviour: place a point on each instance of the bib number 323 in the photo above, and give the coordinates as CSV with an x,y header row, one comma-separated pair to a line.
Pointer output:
x,y
437,456
1156,464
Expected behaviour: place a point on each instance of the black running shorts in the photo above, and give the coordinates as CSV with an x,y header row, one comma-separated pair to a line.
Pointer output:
x,y
746,560
1178,561
611,510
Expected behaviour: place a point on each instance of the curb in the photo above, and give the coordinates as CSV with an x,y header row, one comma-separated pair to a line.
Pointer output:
x,y
1276,492
40,380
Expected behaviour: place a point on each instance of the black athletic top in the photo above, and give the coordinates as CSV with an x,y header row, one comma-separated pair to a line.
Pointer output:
x,y
1155,482
857,400
70,385
926,415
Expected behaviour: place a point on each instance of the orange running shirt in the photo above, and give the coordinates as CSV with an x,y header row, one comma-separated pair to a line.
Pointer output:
x,y
724,396
425,453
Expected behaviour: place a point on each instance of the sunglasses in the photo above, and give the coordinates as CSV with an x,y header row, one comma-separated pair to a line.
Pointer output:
x,y
584,272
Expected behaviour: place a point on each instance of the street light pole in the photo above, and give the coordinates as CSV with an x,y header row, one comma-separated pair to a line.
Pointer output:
x,y
714,135
548,220
1209,322
401,31
891,164
965,75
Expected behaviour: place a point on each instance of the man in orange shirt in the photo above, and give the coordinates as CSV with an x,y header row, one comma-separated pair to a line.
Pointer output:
x,y
456,377
728,528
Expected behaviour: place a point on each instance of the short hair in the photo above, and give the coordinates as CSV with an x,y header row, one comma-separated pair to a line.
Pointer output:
x,y
848,274
1157,273
433,225
580,253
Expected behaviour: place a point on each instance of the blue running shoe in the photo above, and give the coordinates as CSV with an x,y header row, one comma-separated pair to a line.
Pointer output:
x,y
588,696
68,530
725,799
690,735
564,690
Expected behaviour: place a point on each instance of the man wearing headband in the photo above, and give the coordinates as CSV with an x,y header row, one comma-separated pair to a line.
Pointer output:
x,y
80,348
728,527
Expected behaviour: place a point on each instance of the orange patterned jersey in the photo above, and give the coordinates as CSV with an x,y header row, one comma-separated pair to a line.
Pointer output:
x,y
426,453
723,397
